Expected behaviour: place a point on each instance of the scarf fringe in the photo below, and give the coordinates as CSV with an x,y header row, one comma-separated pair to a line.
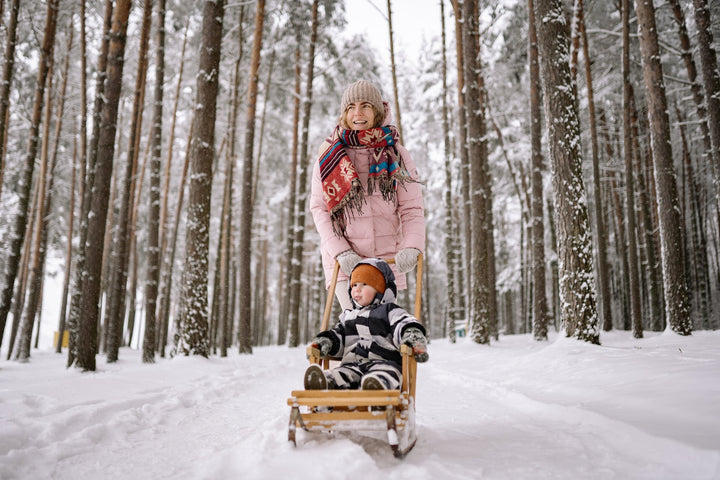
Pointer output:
x,y
352,196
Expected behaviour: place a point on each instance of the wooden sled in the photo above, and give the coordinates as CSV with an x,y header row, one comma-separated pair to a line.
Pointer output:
x,y
360,410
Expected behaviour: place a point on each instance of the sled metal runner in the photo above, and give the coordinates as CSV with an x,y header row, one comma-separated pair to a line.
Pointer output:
x,y
392,411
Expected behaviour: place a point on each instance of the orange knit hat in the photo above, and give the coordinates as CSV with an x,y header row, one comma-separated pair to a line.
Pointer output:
x,y
369,275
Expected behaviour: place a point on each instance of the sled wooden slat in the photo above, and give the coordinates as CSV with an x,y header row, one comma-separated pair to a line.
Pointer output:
x,y
334,398
334,410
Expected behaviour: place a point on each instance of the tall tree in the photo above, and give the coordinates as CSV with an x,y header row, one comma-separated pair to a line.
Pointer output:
x,y
167,255
677,305
193,335
292,190
536,177
577,295
463,148
26,177
121,249
481,323
451,255
153,269
299,240
48,162
604,295
5,84
630,212
94,248
87,176
711,82
246,203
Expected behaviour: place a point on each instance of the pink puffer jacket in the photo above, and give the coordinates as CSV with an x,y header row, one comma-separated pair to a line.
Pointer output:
x,y
382,229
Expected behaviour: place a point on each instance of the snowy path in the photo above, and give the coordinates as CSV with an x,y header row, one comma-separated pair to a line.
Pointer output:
x,y
645,409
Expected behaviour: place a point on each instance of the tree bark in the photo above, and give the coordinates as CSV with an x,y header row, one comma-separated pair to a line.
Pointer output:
x,y
121,250
677,306
536,178
633,273
481,324
7,77
26,176
90,296
711,82
298,243
87,175
153,262
246,202
193,337
577,295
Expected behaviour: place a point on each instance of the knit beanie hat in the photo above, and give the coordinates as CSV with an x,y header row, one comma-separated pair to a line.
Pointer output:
x,y
362,91
369,275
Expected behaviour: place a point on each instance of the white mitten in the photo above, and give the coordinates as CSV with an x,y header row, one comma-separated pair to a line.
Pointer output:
x,y
347,260
406,259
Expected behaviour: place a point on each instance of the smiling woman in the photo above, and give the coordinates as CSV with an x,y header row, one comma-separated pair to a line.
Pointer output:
x,y
366,199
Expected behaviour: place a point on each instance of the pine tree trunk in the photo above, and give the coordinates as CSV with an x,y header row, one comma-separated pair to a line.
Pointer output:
x,y
153,247
677,305
649,227
298,243
68,248
536,179
193,336
600,227
169,258
31,292
631,245
711,82
90,295
246,202
577,295
453,314
87,176
464,155
26,176
48,162
165,278
5,84
481,323
292,202
121,250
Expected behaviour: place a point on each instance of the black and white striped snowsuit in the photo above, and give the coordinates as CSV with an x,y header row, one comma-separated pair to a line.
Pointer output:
x,y
369,340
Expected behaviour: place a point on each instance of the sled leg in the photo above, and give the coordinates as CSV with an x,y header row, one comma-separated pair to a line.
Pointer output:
x,y
295,418
393,437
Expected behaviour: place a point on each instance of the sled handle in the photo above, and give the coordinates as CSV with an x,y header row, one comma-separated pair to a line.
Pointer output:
x,y
330,297
333,283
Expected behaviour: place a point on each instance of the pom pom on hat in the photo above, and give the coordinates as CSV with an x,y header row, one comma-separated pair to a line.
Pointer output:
x,y
369,275
362,91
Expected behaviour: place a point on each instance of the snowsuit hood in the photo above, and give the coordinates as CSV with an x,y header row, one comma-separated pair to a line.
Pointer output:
x,y
390,293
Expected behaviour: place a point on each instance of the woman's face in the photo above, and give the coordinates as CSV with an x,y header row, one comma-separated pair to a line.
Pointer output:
x,y
360,115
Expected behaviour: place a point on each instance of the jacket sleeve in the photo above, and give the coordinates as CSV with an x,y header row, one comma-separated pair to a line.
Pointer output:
x,y
337,337
410,206
330,242
400,320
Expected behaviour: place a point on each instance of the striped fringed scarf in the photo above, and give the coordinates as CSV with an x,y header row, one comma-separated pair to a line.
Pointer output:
x,y
342,190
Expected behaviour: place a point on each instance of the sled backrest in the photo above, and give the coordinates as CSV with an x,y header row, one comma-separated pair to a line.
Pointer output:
x,y
409,365
333,283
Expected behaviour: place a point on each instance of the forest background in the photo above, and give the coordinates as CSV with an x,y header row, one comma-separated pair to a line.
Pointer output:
x,y
196,126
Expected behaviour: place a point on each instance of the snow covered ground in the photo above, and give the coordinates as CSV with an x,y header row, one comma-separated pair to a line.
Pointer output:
x,y
629,409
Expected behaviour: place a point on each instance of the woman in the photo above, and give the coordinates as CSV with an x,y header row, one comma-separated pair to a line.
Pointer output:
x,y
366,198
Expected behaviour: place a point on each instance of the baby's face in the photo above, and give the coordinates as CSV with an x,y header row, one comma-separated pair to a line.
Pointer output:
x,y
363,293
